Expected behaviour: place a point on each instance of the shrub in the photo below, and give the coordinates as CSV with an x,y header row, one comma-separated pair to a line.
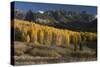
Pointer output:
x,y
20,49
44,53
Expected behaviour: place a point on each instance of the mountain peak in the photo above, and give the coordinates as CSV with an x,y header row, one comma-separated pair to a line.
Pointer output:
x,y
40,11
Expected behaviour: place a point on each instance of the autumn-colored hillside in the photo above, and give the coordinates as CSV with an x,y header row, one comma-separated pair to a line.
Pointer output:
x,y
34,42
44,35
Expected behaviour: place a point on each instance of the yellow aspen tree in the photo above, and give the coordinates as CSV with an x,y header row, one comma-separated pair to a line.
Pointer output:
x,y
58,39
28,38
23,37
40,36
67,39
75,42
49,39
53,43
33,35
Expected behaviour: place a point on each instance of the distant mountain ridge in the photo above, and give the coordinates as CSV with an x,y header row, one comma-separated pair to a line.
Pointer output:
x,y
61,19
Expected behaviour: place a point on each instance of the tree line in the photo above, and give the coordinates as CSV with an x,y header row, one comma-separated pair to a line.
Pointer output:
x,y
49,36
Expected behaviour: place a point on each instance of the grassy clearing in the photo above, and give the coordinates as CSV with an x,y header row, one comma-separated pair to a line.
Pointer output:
x,y
34,54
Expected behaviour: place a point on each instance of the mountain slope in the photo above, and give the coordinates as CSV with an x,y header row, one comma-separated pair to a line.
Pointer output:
x,y
63,19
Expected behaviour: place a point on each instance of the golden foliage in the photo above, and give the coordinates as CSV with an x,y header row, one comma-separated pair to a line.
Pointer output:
x,y
45,35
